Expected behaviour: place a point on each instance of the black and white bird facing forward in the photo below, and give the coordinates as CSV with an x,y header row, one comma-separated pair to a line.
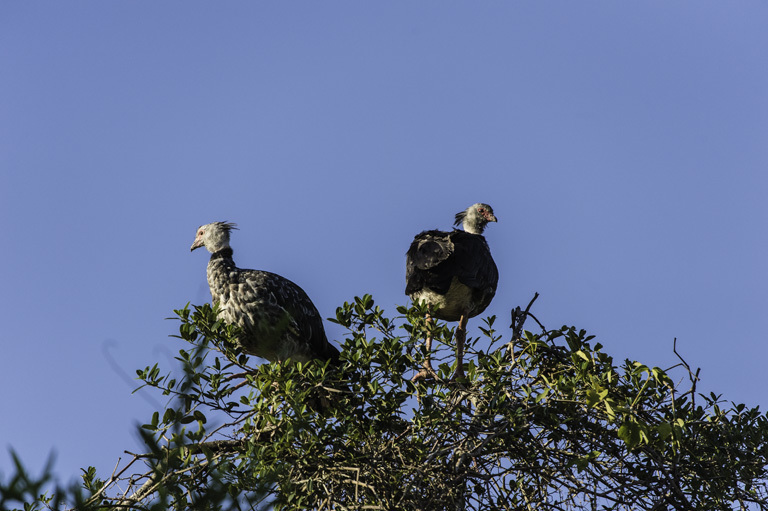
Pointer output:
x,y
277,319
454,274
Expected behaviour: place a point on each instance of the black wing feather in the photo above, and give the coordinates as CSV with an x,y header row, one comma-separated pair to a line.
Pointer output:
x,y
310,323
428,262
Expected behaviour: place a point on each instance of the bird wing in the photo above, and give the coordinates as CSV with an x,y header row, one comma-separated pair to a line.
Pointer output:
x,y
282,307
473,263
475,268
429,251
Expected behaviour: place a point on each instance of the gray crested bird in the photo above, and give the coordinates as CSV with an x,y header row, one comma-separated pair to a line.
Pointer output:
x,y
454,274
276,318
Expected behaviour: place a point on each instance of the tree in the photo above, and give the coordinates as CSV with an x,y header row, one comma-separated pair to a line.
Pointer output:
x,y
543,420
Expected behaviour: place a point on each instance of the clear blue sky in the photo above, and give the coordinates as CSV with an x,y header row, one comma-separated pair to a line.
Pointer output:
x,y
623,146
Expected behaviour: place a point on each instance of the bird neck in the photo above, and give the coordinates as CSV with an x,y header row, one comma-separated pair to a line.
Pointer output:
x,y
224,253
221,263
472,228
219,270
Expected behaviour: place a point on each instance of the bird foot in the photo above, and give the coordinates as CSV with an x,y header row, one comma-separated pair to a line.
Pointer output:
x,y
427,373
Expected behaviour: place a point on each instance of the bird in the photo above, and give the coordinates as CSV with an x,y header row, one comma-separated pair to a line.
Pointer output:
x,y
276,318
454,274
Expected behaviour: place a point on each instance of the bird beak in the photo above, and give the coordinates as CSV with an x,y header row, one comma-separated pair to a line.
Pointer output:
x,y
197,244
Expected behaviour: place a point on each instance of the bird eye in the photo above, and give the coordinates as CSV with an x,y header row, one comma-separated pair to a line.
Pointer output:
x,y
481,210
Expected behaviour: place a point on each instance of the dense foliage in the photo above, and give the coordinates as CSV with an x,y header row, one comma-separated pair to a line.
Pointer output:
x,y
543,420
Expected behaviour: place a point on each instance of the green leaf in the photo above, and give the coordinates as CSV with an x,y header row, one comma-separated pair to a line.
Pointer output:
x,y
665,430
592,398
631,433
582,355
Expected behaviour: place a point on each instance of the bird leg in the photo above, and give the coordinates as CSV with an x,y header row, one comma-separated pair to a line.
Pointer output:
x,y
427,371
461,336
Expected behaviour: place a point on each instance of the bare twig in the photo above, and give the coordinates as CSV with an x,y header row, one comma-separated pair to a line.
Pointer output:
x,y
519,317
693,377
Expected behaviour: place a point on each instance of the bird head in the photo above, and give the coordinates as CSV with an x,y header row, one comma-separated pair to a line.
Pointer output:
x,y
475,218
213,236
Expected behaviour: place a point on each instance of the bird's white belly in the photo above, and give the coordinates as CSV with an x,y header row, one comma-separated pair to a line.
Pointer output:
x,y
450,306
